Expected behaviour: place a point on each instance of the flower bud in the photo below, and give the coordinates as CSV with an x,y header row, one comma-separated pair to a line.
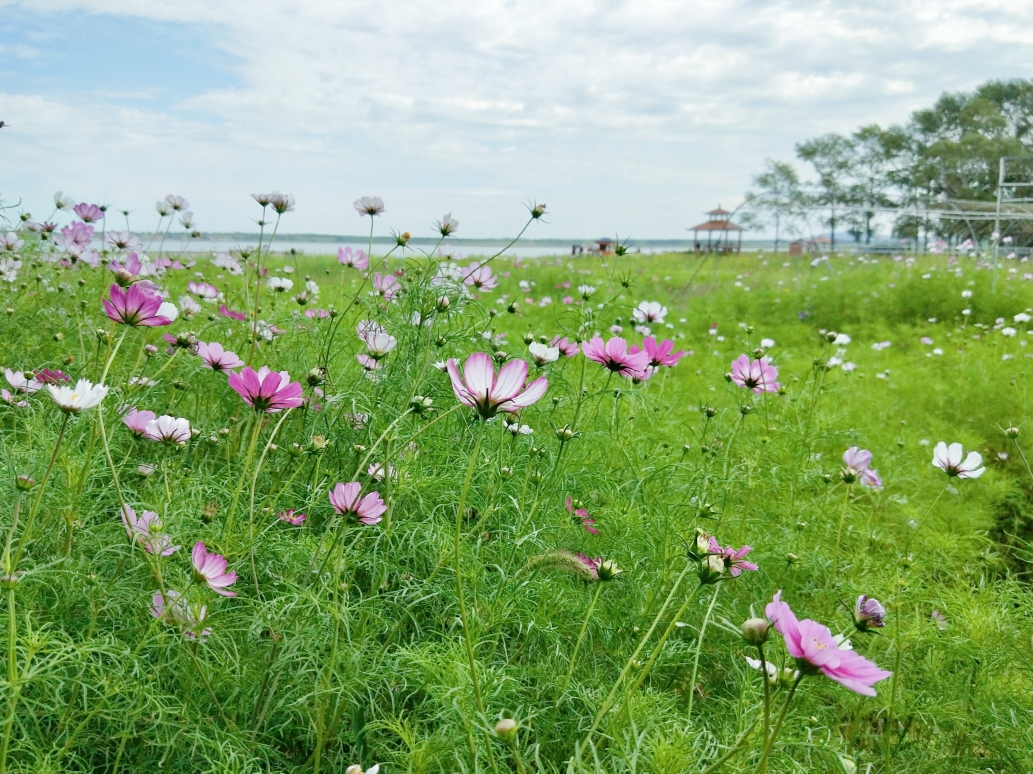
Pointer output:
x,y
10,581
529,338
317,444
442,304
501,357
745,409
24,483
1012,432
103,335
564,433
150,350
711,569
507,730
316,376
210,511
403,239
145,470
608,570
755,631
728,376
848,475
830,336
421,404
440,341
792,558
537,211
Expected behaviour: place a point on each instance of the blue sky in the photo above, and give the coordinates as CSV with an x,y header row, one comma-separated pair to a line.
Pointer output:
x,y
625,117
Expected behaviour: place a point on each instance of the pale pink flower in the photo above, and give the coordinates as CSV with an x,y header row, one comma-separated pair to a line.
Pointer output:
x,y
177,203
734,558
123,240
88,213
615,357
137,421
211,570
147,531
566,347
649,312
369,205
480,277
9,398
368,363
10,242
816,650
355,260
290,517
345,499
203,290
869,613
225,312
21,382
76,237
757,375
266,390
385,285
479,388
950,460
217,358
857,463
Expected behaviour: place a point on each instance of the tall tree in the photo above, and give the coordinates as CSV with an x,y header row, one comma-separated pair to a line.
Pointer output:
x,y
777,195
831,155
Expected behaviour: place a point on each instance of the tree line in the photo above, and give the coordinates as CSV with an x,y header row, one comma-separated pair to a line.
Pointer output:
x,y
943,159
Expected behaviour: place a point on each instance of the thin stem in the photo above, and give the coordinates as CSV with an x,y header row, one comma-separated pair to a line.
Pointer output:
x,y
699,648
458,568
770,742
839,532
243,476
23,541
581,636
736,746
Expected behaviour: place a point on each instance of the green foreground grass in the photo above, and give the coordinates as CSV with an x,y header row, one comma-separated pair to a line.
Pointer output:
x,y
344,644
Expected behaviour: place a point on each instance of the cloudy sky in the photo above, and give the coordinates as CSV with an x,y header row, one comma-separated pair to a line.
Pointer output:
x,y
627,117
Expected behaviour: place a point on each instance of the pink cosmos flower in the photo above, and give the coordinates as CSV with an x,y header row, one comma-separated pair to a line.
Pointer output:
x,y
137,421
21,382
9,398
857,461
317,314
76,237
615,357
10,242
88,213
480,277
816,650
147,531
266,390
290,517
659,354
757,375
590,563
203,290
217,358
138,305
123,240
345,499
566,347
52,376
586,518
225,312
127,272
385,285
479,388
355,260
168,429
949,460
173,606
734,559
368,363
211,570
869,613
369,205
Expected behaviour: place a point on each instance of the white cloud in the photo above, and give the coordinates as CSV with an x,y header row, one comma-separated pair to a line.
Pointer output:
x,y
624,116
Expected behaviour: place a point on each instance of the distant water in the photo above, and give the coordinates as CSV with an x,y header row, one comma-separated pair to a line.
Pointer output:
x,y
330,248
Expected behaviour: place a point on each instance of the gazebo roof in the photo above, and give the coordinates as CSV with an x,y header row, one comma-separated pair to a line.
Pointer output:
x,y
717,225
719,211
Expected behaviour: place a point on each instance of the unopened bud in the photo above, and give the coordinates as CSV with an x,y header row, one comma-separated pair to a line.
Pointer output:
x,y
103,335
24,483
608,570
150,350
316,376
1012,432
564,433
830,336
507,730
145,470
792,558
755,631
849,475
529,338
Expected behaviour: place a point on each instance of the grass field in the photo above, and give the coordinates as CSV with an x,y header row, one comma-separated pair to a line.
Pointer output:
x,y
351,643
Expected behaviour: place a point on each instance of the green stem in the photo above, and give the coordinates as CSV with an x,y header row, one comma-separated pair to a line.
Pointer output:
x,y
770,742
243,476
581,636
839,534
699,648
736,746
30,521
458,568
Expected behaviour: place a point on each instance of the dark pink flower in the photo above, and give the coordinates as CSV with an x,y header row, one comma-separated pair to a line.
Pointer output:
x,y
345,499
757,375
266,390
210,569
217,358
816,650
225,312
479,388
127,272
614,356
585,517
138,306
52,376
566,347
734,559
659,354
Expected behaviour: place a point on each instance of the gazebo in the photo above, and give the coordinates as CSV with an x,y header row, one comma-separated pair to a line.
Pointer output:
x,y
719,225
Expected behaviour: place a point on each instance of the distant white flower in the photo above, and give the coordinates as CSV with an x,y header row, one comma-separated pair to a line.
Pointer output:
x,y
1008,331
649,312
966,312
312,288
767,343
282,202
447,225
966,294
842,339
379,344
848,367
189,306
586,291
543,354
953,461
73,400
279,284
63,202
369,205
1022,317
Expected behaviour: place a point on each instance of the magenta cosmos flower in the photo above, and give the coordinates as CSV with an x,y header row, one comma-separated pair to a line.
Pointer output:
x,y
266,390
290,517
734,559
479,388
345,499
147,531
614,355
566,347
227,312
583,515
217,358
210,569
857,463
757,375
816,650
353,259
659,354
138,306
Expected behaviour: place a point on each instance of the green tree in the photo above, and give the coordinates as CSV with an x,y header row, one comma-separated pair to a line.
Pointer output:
x,y
777,196
832,157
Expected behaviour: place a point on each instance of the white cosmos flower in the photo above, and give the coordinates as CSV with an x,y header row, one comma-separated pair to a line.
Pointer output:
x,y
63,202
767,343
189,306
543,354
279,284
842,339
649,312
379,344
168,310
1022,317
1008,331
952,461
73,400
168,428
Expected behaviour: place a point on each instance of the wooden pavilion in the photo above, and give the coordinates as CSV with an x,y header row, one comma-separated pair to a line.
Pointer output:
x,y
718,227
